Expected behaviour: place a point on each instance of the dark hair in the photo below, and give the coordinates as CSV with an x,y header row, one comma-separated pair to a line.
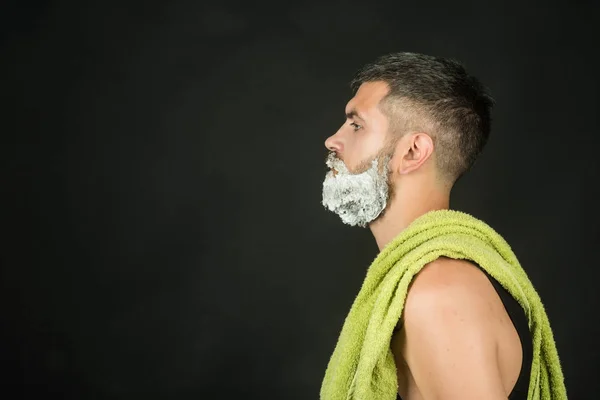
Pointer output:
x,y
442,92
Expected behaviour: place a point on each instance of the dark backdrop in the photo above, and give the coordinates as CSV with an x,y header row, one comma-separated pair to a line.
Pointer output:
x,y
162,233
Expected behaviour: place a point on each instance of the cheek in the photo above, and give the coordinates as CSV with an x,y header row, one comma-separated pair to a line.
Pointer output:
x,y
370,145
352,149
362,152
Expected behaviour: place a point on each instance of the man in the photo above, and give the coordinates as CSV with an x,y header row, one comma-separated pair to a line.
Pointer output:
x,y
415,125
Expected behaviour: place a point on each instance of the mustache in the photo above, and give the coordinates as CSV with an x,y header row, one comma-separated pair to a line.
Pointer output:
x,y
331,156
335,164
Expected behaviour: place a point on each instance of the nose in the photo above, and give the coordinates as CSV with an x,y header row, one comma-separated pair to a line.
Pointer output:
x,y
334,144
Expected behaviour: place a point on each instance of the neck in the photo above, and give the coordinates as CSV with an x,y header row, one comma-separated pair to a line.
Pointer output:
x,y
403,209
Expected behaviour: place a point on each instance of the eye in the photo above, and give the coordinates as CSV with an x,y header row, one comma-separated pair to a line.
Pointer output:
x,y
355,126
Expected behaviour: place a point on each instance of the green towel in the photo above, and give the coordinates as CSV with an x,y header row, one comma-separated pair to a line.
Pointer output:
x,y
362,366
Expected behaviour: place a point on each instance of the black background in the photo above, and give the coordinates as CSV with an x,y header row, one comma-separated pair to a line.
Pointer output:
x,y
162,233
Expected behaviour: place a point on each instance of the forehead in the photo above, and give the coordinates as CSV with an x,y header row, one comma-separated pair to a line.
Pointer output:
x,y
368,96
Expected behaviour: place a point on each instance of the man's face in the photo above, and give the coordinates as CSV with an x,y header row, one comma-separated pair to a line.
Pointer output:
x,y
357,187
364,132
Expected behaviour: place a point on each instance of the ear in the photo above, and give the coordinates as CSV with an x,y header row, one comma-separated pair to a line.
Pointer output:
x,y
416,149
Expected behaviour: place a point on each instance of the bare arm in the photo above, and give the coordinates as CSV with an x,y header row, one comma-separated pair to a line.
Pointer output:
x,y
449,343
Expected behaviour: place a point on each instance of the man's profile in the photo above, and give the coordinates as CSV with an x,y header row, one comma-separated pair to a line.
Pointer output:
x,y
445,311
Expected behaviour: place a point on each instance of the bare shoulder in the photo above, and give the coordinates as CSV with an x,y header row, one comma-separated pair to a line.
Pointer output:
x,y
449,281
450,271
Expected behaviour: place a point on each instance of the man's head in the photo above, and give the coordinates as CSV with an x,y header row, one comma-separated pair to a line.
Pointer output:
x,y
423,117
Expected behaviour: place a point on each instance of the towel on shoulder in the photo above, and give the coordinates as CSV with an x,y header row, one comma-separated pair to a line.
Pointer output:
x,y
362,365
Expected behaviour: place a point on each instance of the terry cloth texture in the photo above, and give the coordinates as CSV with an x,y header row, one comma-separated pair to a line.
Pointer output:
x,y
362,366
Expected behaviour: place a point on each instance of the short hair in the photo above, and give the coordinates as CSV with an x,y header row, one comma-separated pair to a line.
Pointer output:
x,y
453,103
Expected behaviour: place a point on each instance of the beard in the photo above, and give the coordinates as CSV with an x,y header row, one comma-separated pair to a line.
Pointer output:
x,y
358,198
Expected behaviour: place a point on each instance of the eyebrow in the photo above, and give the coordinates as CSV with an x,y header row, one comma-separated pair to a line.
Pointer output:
x,y
354,113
